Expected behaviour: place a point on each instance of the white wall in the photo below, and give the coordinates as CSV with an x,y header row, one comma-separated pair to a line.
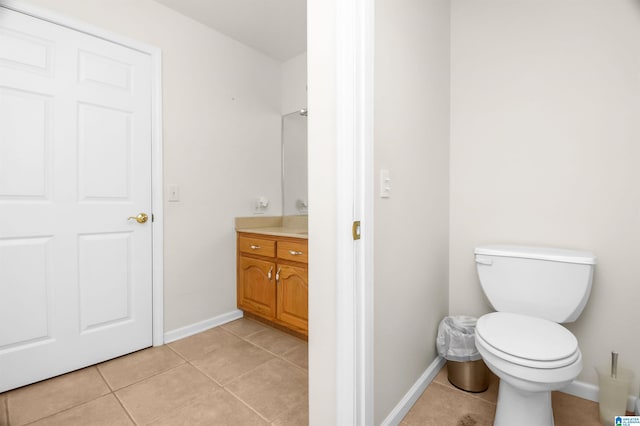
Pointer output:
x,y
321,42
221,145
294,83
411,137
545,150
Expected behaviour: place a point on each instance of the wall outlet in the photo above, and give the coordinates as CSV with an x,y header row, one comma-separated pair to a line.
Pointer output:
x,y
260,205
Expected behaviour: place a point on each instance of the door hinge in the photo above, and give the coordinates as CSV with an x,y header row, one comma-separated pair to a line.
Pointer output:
x,y
355,230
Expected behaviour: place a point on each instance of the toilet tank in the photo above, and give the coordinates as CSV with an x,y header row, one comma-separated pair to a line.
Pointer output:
x,y
542,282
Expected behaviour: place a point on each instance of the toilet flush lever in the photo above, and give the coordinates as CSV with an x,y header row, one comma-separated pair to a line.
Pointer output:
x,y
481,261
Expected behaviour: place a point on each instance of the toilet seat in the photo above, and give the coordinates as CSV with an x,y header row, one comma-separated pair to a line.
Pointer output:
x,y
527,341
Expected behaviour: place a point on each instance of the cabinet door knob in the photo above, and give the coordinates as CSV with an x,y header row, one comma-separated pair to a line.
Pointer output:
x,y
278,275
295,253
254,247
269,273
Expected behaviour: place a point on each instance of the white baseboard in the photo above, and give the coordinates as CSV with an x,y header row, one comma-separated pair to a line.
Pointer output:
x,y
576,388
399,411
590,392
582,390
181,333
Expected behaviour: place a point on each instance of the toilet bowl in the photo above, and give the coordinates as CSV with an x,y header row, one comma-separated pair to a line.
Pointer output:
x,y
533,290
530,362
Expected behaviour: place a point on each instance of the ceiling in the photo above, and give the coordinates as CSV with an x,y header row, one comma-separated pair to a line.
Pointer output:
x,y
278,28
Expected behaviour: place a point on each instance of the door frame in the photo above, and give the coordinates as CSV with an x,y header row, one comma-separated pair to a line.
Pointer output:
x,y
156,142
354,202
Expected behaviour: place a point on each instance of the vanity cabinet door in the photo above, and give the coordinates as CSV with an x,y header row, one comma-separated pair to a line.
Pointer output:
x,y
257,288
293,295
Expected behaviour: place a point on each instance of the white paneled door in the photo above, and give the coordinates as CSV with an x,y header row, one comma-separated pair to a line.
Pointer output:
x,y
75,164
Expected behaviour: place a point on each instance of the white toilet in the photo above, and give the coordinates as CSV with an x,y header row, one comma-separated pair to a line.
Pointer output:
x,y
532,289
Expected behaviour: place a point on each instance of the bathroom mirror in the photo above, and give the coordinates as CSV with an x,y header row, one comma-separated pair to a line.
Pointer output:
x,y
294,163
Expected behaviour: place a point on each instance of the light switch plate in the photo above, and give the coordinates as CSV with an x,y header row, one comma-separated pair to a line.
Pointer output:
x,y
174,193
385,183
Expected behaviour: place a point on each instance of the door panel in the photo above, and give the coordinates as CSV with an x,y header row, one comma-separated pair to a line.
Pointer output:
x,y
104,146
24,267
105,279
101,70
25,51
75,164
24,144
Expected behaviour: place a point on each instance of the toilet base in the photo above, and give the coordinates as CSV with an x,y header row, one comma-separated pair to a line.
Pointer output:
x,y
517,407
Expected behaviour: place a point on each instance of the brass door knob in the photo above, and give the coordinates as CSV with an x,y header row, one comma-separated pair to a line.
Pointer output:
x,y
141,218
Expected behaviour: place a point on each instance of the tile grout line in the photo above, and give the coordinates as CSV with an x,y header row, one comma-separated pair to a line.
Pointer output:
x,y
154,375
190,400
65,410
263,326
275,354
220,385
157,373
464,393
235,378
184,362
70,407
469,394
247,405
147,378
248,335
5,407
124,408
104,379
291,362
205,374
191,362
113,392
243,374
135,383
168,345
244,338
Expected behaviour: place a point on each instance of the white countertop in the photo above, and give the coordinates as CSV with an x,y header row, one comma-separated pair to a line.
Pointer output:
x,y
280,226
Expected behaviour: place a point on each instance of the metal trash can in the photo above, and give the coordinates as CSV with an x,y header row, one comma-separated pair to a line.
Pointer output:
x,y
456,343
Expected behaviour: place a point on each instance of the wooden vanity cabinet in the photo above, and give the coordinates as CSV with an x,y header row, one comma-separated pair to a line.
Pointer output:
x,y
273,279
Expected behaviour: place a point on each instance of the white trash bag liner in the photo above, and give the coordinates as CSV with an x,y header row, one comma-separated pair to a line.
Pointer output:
x,y
456,339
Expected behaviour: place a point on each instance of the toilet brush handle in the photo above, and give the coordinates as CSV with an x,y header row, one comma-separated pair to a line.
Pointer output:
x,y
614,365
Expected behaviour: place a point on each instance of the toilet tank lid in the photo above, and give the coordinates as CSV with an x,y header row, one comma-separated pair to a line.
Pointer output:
x,y
542,253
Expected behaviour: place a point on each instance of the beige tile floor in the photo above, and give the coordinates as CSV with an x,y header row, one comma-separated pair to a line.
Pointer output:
x,y
242,373
442,404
